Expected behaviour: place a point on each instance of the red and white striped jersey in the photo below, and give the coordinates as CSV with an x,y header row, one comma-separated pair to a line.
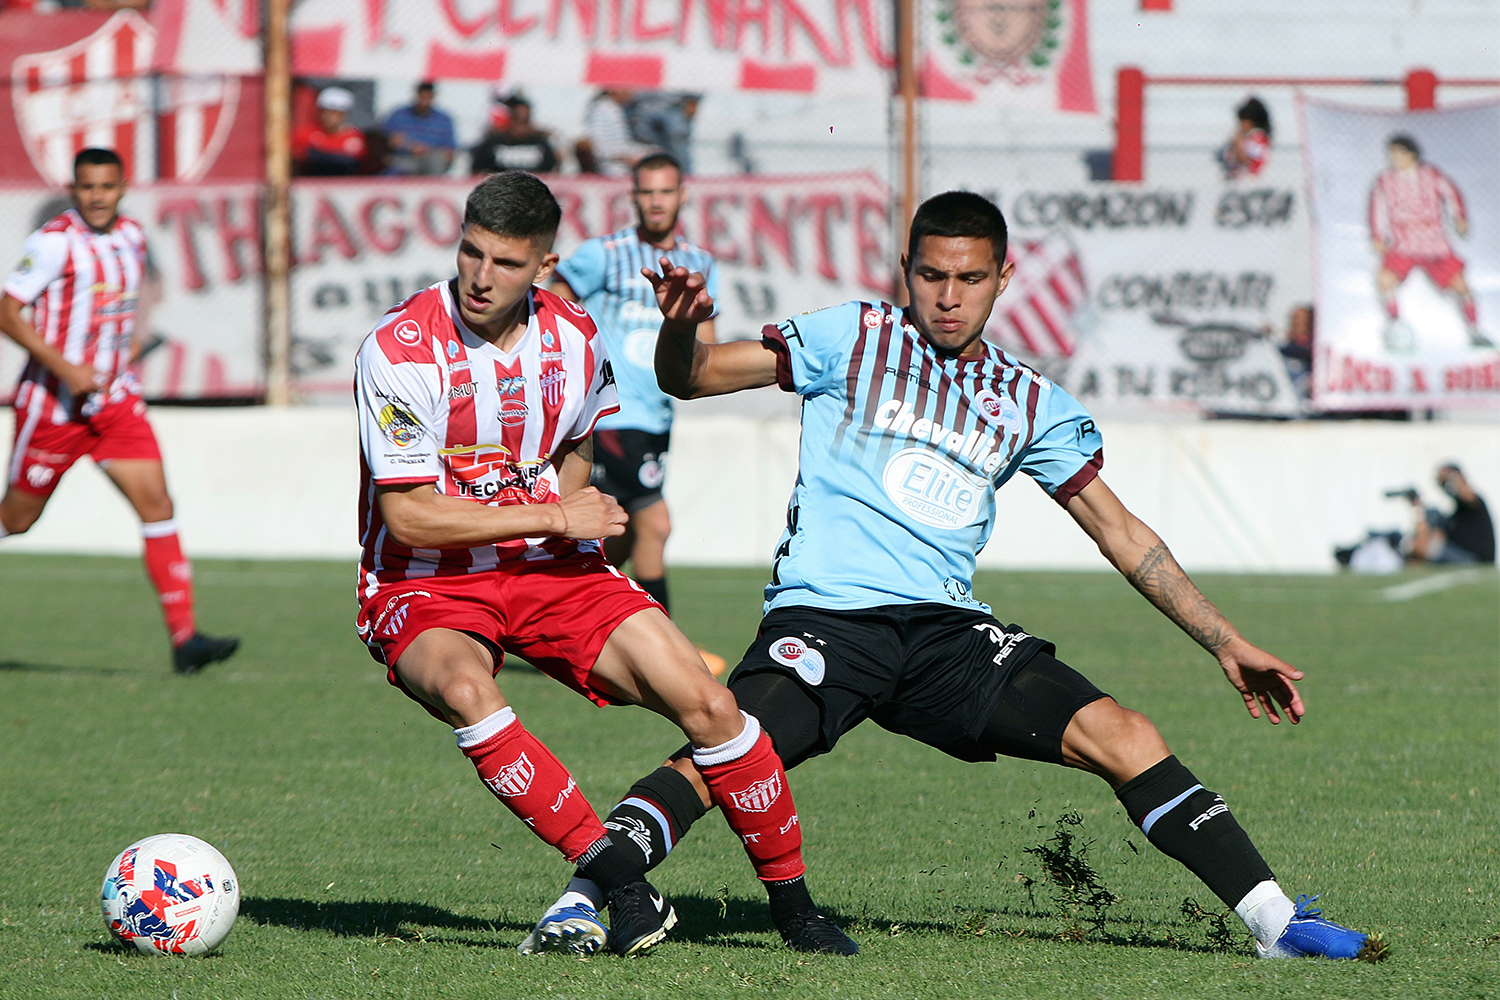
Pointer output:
x,y
1407,208
439,404
83,285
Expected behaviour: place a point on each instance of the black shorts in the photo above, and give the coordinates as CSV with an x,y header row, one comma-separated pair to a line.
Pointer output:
x,y
957,680
630,466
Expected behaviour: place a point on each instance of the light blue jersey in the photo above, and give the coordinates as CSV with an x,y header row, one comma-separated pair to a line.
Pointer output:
x,y
605,273
902,451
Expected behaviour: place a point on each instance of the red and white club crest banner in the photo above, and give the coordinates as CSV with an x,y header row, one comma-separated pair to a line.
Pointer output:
x,y
1407,249
974,49
783,245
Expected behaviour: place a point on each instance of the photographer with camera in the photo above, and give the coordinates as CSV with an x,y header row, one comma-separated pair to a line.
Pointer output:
x,y
1466,536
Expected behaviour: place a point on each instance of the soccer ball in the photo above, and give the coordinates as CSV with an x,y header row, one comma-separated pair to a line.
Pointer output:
x,y
170,894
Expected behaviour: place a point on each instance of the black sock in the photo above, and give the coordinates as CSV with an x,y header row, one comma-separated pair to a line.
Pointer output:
x,y
610,867
653,816
658,589
1190,824
789,899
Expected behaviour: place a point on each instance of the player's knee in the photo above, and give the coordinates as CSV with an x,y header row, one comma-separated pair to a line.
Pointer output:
x,y
469,696
713,707
155,507
17,520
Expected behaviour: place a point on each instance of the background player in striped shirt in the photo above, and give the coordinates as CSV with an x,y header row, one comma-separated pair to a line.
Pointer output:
x,y
1409,203
476,398
910,422
81,274
630,447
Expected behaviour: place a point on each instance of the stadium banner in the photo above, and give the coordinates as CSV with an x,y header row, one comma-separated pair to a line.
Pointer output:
x,y
1407,249
784,245
176,106
1033,50
200,312
1165,298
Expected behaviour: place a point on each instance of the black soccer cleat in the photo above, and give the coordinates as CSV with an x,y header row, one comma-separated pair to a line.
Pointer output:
x,y
199,650
639,919
816,934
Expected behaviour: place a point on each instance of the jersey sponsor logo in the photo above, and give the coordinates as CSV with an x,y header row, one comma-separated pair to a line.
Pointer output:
x,y
408,332
399,425
872,319
898,417
933,491
458,390
758,797
27,263
548,341
510,385
552,383
514,779
513,412
452,348
791,651
485,472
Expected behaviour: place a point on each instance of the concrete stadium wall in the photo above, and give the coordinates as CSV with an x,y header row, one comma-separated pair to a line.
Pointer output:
x,y
1258,497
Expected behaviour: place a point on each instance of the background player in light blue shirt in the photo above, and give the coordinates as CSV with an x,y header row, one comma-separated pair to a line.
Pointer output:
x,y
910,422
630,447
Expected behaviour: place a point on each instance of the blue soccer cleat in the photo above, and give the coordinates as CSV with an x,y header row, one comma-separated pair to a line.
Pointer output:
x,y
1309,935
575,930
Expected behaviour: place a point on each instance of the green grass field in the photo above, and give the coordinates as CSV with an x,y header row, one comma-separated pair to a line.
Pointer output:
x,y
374,865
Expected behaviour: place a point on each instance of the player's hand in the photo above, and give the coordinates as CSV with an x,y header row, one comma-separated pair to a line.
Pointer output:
x,y
681,294
1379,247
589,514
1264,681
82,381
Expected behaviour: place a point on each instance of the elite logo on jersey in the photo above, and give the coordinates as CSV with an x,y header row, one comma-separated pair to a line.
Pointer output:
x,y
758,797
930,489
513,779
399,425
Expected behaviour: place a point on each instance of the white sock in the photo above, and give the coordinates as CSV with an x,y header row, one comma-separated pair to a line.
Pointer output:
x,y
581,891
159,529
1266,911
472,736
732,750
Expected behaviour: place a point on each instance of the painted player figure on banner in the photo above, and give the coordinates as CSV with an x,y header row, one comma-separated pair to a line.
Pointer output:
x,y
630,447
910,422
81,274
476,398
1409,204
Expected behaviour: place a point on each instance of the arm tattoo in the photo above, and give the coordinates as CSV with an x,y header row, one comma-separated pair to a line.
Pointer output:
x,y
1165,585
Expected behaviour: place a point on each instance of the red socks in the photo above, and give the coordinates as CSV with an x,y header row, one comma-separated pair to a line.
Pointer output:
x,y
746,781
531,783
172,575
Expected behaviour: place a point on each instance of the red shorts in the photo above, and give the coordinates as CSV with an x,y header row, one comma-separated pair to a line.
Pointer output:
x,y
43,451
1442,270
557,613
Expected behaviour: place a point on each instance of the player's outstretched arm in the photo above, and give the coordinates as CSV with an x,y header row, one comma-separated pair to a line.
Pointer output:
x,y
80,380
688,368
1263,681
419,517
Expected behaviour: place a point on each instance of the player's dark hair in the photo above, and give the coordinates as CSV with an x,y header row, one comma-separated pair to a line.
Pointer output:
x,y
97,156
654,161
514,203
426,85
1407,143
962,214
1254,112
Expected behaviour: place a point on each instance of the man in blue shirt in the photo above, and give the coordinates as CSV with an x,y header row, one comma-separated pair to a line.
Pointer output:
x,y
421,136
630,447
910,422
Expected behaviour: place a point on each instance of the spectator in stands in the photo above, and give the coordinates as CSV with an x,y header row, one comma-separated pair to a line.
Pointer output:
x,y
665,120
611,150
513,142
1296,352
421,136
329,145
1465,536
1250,145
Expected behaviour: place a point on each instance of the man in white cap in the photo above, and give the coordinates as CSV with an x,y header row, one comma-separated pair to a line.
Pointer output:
x,y
329,146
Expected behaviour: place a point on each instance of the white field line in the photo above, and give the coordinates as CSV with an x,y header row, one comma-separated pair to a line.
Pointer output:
x,y
1434,584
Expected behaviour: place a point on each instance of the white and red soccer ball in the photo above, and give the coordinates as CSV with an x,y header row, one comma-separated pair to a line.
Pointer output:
x,y
170,894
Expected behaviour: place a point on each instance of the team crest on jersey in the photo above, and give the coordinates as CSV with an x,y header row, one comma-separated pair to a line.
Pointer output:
x,y
514,778
998,409
758,797
399,425
872,319
408,332
552,383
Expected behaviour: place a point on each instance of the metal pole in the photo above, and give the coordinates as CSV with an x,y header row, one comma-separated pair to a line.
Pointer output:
x,y
278,205
908,88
